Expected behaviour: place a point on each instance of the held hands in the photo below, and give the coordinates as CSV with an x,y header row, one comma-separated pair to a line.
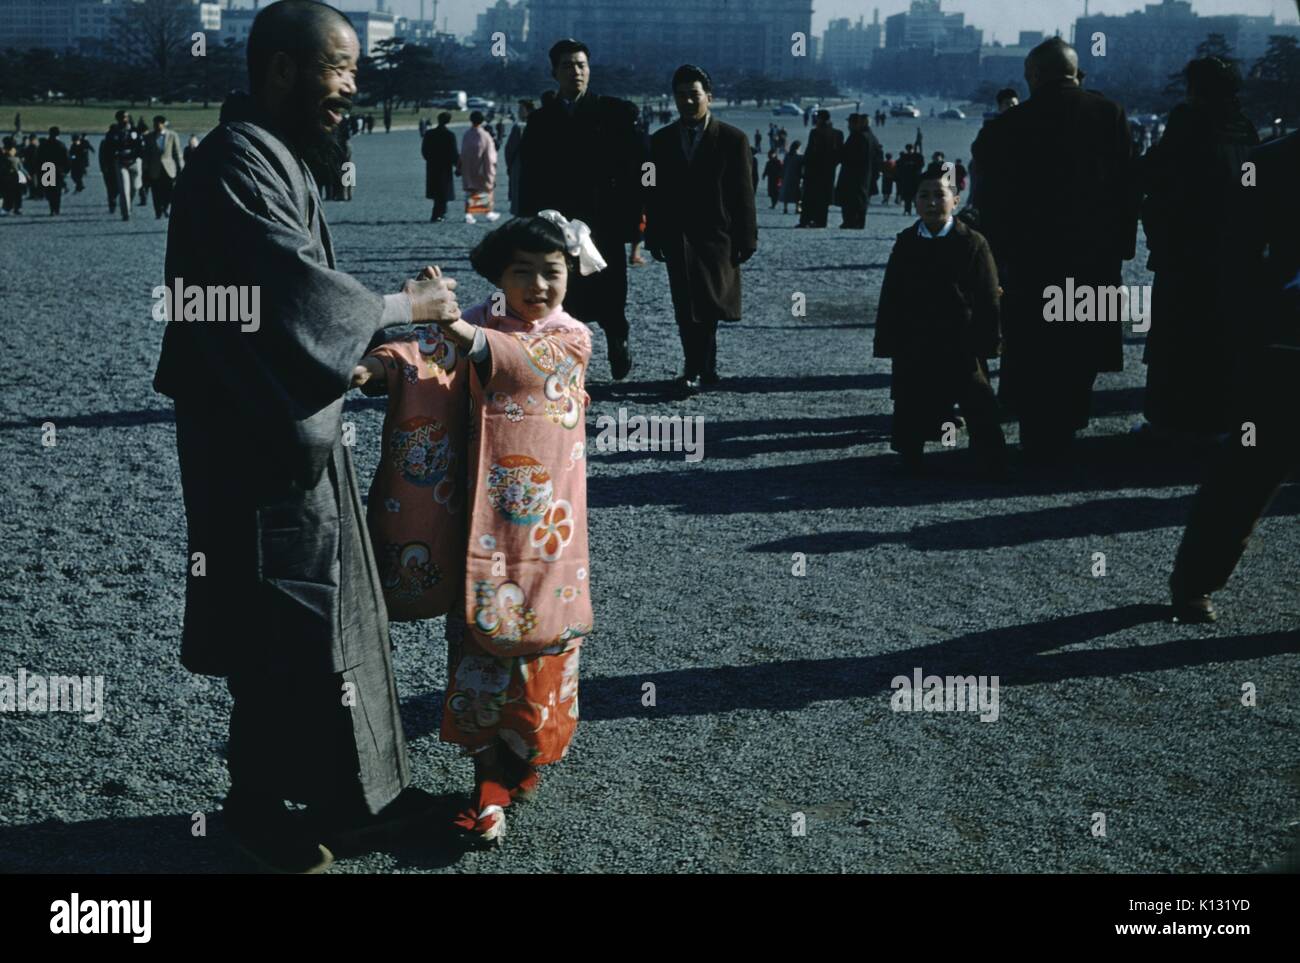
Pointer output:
x,y
462,332
368,368
432,297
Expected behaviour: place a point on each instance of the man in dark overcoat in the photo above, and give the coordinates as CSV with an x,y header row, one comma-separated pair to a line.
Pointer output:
x,y
1058,203
700,219
825,145
860,164
441,164
582,155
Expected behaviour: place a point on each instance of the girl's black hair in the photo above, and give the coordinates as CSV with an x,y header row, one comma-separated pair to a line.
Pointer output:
x,y
537,235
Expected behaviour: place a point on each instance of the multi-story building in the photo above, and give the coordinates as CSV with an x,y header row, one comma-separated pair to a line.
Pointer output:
x,y
848,48
720,35
505,18
925,25
1152,44
78,24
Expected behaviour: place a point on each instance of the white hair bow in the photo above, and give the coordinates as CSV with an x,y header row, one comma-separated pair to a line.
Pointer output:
x,y
578,242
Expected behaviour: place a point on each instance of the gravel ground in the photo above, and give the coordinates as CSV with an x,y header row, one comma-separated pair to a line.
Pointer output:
x,y
772,691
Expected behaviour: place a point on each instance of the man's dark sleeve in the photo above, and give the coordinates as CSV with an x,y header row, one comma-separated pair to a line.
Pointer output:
x,y
314,323
744,219
889,310
982,290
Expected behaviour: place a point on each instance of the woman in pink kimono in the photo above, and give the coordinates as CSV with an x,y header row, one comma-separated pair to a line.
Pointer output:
x,y
479,508
478,169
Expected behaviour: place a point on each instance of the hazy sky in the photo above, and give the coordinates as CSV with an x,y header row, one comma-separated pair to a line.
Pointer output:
x,y
999,19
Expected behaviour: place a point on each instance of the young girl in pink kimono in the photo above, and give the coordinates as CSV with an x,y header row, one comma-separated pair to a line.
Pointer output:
x,y
479,508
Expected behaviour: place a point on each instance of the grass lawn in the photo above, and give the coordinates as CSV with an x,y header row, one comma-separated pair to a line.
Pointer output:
x,y
95,117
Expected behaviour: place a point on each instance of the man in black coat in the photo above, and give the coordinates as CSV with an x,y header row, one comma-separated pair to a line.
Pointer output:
x,y
52,166
441,161
1262,290
860,164
700,218
581,155
825,144
1058,203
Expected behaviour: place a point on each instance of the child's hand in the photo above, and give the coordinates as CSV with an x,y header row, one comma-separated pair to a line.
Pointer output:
x,y
367,369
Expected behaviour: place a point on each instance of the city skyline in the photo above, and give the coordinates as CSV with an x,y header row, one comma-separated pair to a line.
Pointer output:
x,y
1001,20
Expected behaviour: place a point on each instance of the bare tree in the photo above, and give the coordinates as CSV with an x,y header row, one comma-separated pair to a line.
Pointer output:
x,y
157,36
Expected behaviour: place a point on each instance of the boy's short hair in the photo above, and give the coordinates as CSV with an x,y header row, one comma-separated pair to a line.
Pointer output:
x,y
476,117
942,173
689,73
444,118
564,47
537,235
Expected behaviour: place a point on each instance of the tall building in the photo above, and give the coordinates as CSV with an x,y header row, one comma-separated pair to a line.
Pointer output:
x,y
1150,45
720,35
849,47
926,25
509,19
78,24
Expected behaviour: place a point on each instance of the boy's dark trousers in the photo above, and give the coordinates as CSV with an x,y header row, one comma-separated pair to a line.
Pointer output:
x,y
700,347
926,385
13,198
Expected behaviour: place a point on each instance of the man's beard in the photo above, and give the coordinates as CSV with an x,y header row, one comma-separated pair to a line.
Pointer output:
x,y
319,149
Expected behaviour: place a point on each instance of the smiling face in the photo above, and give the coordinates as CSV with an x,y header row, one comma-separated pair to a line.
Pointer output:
x,y
328,83
534,283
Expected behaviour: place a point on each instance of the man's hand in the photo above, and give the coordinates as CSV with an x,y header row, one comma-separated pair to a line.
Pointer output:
x,y
368,368
432,297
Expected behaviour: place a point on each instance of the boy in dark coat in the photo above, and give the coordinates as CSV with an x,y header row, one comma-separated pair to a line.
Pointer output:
x,y
700,218
938,320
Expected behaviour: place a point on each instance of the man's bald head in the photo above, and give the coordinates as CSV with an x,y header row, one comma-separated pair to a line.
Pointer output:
x,y
299,28
1050,61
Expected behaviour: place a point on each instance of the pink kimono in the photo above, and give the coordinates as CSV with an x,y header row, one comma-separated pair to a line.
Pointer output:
x,y
508,456
478,170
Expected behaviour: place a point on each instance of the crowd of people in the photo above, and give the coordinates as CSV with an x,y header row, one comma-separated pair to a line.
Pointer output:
x,y
479,511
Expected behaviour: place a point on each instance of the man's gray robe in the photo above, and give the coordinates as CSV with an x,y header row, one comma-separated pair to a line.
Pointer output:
x,y
289,605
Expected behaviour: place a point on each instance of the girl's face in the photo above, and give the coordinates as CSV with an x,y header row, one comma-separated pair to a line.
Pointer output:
x,y
534,283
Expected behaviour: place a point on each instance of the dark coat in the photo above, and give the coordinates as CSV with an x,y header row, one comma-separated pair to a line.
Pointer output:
x,y
907,174
587,165
791,178
1189,178
1057,197
441,162
860,163
701,217
53,152
939,296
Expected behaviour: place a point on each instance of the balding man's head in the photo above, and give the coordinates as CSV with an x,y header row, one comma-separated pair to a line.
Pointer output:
x,y
300,28
1051,61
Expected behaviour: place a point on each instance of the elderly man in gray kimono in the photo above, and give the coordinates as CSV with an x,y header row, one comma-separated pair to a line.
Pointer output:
x,y
282,596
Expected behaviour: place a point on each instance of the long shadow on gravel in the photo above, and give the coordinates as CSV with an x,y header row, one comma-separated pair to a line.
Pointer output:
x,y
166,844
1020,655
1097,464
1106,516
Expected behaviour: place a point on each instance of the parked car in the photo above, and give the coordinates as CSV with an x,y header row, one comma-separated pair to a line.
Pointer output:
x,y
952,113
904,110
479,103
788,110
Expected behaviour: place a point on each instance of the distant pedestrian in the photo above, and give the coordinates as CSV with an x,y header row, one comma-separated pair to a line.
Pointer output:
x,y
79,152
13,178
478,170
190,148
122,147
791,179
52,166
772,175
887,178
860,164
441,161
907,174
514,154
163,164
30,151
